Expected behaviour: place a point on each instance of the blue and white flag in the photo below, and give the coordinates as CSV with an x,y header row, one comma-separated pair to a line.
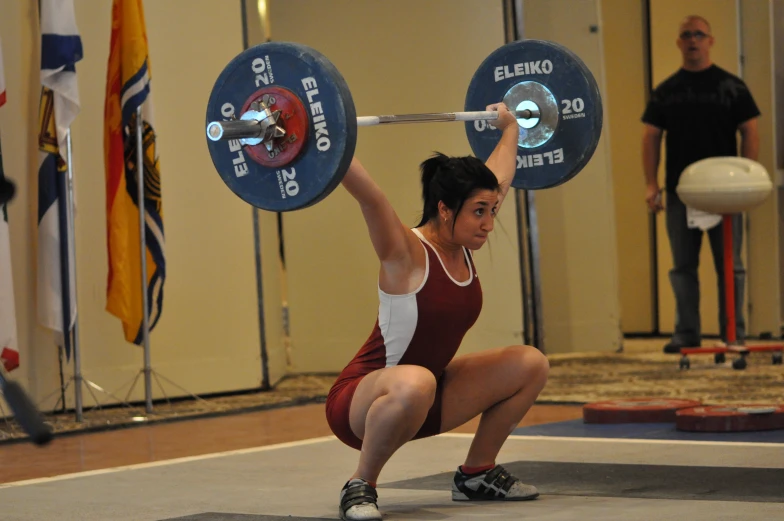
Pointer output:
x,y
61,48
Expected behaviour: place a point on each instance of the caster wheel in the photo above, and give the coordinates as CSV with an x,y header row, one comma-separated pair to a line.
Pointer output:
x,y
685,363
739,363
719,358
777,358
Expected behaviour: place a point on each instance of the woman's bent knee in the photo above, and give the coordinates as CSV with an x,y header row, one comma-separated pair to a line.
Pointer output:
x,y
530,361
409,388
413,385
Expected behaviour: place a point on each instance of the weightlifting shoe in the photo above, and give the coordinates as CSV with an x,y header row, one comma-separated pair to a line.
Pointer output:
x,y
358,501
495,484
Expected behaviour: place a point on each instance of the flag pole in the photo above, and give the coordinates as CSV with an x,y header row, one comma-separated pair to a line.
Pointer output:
x,y
62,380
67,230
143,244
65,265
72,240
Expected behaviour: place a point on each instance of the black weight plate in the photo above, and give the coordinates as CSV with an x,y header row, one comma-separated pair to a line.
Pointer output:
x,y
553,78
332,126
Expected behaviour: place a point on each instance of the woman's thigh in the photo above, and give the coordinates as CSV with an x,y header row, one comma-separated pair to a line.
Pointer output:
x,y
475,382
411,383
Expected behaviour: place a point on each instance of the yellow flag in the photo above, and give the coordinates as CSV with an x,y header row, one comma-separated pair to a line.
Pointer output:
x,y
127,88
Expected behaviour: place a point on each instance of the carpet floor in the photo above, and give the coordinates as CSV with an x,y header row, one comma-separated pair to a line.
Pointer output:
x,y
641,370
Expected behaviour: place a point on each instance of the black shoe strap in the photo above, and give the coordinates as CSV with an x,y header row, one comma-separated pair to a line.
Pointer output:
x,y
499,478
358,494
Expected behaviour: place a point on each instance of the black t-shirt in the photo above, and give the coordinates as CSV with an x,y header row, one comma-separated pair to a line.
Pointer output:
x,y
700,113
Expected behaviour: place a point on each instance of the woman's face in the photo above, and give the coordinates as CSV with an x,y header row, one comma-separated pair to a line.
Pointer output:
x,y
476,219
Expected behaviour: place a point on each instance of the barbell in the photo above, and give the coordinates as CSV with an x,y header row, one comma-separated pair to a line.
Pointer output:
x,y
282,126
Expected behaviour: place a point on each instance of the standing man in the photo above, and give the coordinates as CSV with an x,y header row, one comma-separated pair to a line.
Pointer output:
x,y
701,108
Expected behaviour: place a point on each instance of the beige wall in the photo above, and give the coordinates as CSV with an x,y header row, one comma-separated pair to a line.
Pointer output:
x,y
577,219
207,339
665,17
763,274
778,68
777,59
390,68
626,65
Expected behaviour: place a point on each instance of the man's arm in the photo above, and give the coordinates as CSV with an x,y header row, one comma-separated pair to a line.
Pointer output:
x,y
749,147
651,153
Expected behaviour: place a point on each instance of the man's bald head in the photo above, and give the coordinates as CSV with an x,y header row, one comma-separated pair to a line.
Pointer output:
x,y
695,41
695,18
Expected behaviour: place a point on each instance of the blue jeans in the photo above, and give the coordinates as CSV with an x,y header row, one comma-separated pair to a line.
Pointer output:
x,y
685,244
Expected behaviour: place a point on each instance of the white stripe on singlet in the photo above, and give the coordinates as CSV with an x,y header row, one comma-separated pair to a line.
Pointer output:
x,y
397,318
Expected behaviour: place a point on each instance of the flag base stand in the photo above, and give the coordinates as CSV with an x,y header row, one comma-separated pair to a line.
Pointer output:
x,y
11,426
79,380
78,408
149,374
4,435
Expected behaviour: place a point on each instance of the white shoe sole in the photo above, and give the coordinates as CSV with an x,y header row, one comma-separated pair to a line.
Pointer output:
x,y
459,496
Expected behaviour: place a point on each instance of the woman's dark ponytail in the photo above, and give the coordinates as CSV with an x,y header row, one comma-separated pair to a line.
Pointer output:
x,y
430,168
451,180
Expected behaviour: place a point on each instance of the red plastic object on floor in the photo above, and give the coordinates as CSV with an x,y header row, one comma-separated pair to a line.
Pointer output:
x,y
731,418
635,410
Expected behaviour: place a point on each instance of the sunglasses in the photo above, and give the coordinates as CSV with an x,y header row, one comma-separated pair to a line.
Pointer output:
x,y
699,35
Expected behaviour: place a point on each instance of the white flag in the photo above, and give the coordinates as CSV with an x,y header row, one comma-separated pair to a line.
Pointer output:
x,y
9,352
61,48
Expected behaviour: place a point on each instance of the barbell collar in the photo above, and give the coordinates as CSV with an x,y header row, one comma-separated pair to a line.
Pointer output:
x,y
244,129
234,129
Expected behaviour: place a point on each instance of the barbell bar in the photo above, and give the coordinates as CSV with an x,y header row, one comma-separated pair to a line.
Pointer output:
x,y
251,128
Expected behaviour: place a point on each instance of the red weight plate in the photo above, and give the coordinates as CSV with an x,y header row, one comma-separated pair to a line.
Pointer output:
x,y
731,418
294,120
635,410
